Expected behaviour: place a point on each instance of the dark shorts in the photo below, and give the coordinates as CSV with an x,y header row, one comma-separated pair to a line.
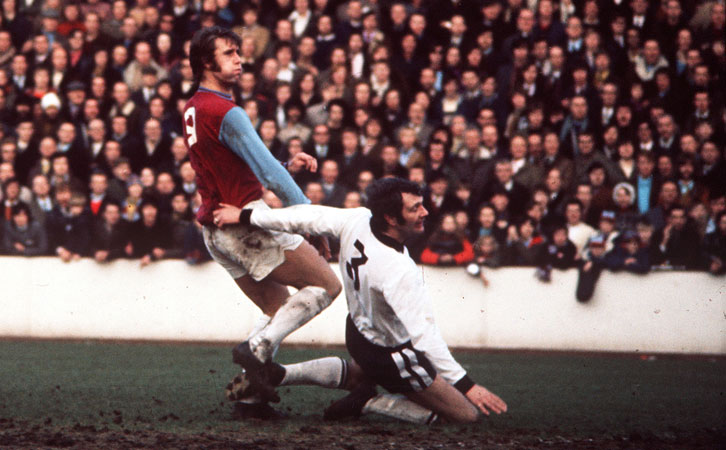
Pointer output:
x,y
399,370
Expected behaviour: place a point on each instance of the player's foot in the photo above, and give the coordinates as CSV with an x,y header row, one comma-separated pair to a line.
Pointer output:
x,y
352,404
241,388
259,411
257,372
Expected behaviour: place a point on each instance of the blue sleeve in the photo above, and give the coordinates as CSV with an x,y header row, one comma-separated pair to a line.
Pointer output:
x,y
238,134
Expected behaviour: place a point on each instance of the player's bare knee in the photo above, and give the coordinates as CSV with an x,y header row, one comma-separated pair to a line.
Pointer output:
x,y
333,287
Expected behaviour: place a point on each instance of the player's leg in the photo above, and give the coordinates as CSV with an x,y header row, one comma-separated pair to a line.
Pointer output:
x,y
330,372
267,294
400,370
317,286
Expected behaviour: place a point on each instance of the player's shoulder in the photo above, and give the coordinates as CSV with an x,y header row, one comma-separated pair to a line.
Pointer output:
x,y
210,103
359,214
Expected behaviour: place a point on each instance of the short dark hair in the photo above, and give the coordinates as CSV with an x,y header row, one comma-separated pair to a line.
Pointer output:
x,y
202,47
18,208
385,198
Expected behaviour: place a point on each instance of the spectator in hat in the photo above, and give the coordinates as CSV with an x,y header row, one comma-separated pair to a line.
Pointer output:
x,y
590,267
72,110
608,229
628,255
50,118
626,214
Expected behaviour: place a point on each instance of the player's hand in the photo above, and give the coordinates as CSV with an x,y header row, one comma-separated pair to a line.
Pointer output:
x,y
324,248
145,260
64,254
226,214
484,279
302,161
101,255
486,401
321,244
446,258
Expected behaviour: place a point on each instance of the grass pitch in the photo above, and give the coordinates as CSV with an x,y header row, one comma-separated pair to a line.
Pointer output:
x,y
177,390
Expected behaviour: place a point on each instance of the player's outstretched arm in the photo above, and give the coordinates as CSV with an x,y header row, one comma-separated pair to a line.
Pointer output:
x,y
485,400
238,134
312,219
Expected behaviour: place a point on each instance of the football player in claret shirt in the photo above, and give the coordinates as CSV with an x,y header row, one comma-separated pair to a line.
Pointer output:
x,y
390,332
232,165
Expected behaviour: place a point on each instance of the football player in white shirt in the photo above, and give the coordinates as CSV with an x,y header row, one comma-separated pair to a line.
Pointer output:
x,y
390,332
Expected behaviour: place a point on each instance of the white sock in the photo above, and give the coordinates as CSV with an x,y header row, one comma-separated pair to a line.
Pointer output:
x,y
399,407
261,323
296,312
330,372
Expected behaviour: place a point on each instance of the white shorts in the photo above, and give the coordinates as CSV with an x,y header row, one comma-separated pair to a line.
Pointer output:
x,y
243,250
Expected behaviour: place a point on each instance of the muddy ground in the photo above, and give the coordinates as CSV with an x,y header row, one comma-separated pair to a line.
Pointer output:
x,y
349,436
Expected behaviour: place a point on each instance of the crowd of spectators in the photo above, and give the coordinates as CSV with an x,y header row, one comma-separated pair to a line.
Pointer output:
x,y
555,134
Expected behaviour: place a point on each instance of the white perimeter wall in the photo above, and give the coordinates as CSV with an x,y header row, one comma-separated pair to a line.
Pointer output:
x,y
661,312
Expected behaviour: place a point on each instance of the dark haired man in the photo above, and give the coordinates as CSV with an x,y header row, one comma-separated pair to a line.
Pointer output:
x,y
390,332
232,165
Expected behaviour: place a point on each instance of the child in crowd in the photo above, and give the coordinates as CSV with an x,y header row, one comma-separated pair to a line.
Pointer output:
x,y
486,254
558,253
446,246
591,265
628,255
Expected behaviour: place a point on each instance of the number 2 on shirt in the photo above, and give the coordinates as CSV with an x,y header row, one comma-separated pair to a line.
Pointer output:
x,y
352,266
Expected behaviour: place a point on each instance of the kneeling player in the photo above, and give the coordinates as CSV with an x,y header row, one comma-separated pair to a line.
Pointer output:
x,y
390,333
